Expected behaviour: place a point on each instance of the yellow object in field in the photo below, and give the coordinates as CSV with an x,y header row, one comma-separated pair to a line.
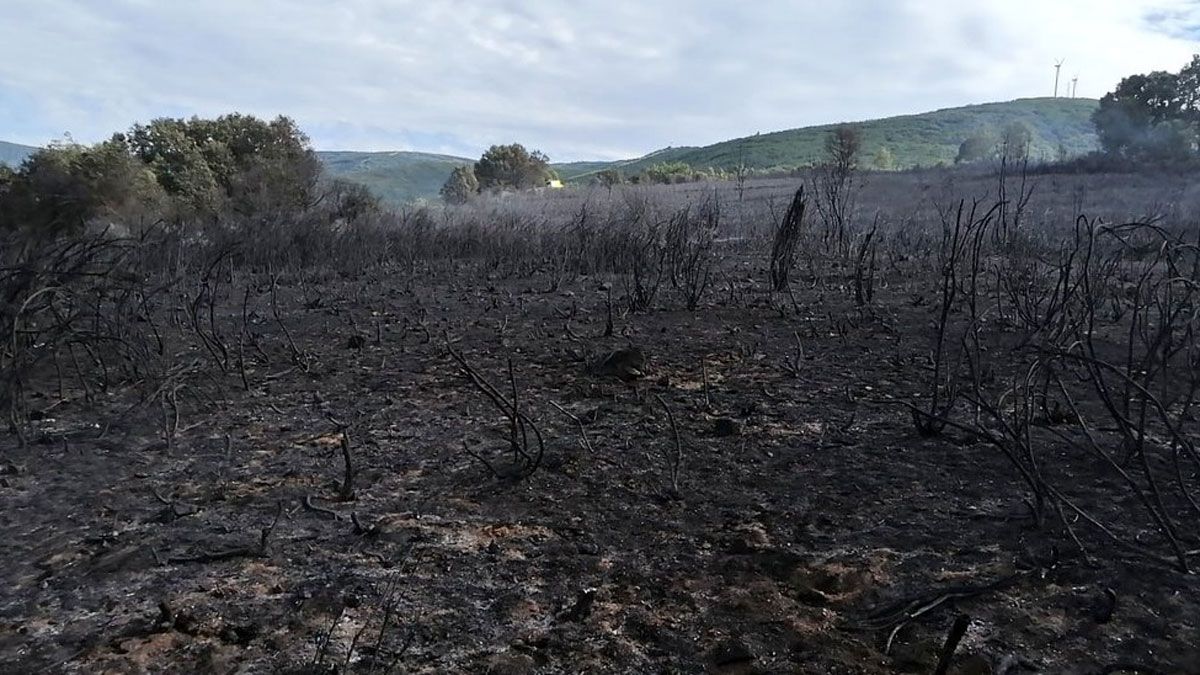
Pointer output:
x,y
554,183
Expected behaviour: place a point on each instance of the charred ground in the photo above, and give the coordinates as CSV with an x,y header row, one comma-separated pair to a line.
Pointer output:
x,y
762,498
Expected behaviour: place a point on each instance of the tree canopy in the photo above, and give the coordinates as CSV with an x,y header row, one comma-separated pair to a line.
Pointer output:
x,y
1016,139
609,178
460,186
65,185
884,159
512,167
670,172
1152,115
239,160
842,147
978,146
233,164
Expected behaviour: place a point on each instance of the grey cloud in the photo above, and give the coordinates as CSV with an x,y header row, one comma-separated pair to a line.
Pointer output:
x,y
576,79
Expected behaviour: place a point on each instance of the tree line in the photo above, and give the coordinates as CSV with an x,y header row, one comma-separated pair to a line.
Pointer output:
x,y
234,167
502,167
1152,116
239,167
1148,118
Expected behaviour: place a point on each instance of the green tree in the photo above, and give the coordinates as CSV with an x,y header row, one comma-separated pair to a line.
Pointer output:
x,y
178,163
351,201
460,186
63,187
48,193
1188,84
264,167
1016,139
884,160
609,177
8,179
513,167
977,146
669,172
1152,115
842,147
235,164
252,165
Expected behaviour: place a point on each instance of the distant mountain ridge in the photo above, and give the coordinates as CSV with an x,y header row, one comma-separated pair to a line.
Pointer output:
x,y
1059,126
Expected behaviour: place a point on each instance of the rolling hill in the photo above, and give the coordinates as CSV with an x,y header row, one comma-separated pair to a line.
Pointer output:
x,y
13,154
924,139
396,177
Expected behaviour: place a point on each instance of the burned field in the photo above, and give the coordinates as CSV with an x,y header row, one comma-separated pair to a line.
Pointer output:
x,y
960,436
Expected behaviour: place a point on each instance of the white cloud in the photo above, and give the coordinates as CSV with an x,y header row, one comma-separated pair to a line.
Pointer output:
x,y
578,79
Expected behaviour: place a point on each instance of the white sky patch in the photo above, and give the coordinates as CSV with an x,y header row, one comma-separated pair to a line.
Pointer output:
x,y
578,79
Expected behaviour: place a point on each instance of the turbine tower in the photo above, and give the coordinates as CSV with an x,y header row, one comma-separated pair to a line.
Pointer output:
x,y
1074,84
1057,68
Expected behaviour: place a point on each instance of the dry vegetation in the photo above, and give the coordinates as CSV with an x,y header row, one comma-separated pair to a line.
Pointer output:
x,y
931,430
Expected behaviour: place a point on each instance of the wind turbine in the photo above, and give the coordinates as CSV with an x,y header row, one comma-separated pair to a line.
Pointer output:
x,y
1074,84
1057,68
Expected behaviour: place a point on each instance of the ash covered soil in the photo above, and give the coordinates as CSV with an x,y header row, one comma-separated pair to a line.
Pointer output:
x,y
809,527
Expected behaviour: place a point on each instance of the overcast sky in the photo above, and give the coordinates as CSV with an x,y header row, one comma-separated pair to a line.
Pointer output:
x,y
579,79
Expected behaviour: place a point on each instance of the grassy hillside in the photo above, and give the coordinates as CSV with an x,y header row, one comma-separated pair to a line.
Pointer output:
x,y
572,169
13,154
915,140
397,177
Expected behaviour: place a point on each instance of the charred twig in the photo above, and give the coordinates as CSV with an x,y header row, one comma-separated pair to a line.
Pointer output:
x,y
242,335
309,505
176,512
791,365
676,459
570,333
520,424
582,431
864,272
265,538
298,357
952,639
237,552
482,460
215,556
608,317
360,529
896,616
323,648
346,489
